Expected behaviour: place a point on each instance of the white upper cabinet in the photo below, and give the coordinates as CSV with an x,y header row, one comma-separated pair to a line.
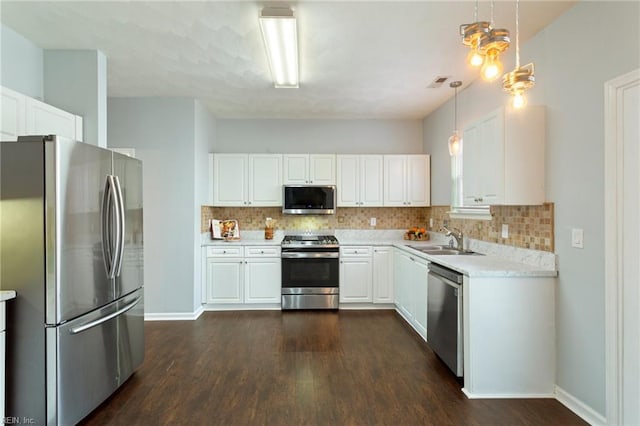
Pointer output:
x,y
309,169
360,180
22,115
265,180
244,180
503,158
14,114
407,180
230,185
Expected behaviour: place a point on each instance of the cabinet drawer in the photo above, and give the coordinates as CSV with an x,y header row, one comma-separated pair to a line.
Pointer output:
x,y
262,251
355,251
224,251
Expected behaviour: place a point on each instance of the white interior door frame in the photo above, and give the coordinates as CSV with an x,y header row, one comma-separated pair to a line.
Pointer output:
x,y
614,252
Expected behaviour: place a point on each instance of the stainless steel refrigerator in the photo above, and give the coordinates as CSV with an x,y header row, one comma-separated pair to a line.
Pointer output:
x,y
71,246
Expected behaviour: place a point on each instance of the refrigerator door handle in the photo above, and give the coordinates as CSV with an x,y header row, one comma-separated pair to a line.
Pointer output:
x,y
106,227
119,227
103,319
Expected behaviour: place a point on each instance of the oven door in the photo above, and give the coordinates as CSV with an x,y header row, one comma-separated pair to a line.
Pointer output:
x,y
309,272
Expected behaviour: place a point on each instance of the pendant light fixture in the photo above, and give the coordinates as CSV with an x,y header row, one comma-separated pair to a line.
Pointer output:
x,y
471,34
522,78
455,141
491,45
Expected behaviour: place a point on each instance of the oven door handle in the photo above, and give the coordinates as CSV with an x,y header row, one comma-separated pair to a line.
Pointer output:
x,y
310,255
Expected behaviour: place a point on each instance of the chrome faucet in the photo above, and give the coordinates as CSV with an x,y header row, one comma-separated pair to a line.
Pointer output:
x,y
455,233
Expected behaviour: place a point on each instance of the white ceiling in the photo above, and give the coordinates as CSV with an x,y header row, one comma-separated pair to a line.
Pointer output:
x,y
360,59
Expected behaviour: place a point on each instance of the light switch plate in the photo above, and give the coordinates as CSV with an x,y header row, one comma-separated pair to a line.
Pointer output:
x,y
430,222
505,230
373,221
577,238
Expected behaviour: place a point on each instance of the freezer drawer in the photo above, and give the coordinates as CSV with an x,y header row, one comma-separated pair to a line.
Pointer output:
x,y
91,356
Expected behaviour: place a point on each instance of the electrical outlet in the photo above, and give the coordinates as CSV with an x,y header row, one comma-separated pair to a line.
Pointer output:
x,y
577,238
505,230
372,221
430,222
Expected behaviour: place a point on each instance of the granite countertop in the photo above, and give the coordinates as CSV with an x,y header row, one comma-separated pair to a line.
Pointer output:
x,y
7,295
497,260
484,266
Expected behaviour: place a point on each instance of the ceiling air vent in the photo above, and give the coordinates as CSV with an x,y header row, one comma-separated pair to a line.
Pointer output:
x,y
437,82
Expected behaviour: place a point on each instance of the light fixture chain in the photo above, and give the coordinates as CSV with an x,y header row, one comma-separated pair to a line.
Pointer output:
x,y
475,14
455,109
492,13
517,34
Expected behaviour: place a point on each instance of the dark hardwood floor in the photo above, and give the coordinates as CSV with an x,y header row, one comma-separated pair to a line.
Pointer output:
x,y
303,368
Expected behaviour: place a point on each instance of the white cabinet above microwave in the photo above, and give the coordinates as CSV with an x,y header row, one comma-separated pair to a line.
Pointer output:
x,y
309,169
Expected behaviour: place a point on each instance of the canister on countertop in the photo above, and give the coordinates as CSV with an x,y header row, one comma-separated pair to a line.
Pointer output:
x,y
268,228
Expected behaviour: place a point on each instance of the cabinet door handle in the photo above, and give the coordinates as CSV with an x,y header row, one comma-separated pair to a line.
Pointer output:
x,y
224,252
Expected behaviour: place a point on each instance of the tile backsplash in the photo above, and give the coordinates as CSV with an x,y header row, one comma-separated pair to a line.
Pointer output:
x,y
253,218
530,227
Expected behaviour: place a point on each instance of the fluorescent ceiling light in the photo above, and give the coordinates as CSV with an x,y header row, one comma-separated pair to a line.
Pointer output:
x,y
281,40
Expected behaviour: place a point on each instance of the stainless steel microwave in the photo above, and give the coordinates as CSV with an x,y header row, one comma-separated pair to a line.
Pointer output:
x,y
309,199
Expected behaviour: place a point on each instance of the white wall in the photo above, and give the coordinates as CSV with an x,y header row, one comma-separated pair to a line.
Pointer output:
x,y
204,138
162,132
21,64
572,66
319,136
76,81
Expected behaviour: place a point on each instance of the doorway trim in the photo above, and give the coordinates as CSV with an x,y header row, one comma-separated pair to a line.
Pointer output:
x,y
613,214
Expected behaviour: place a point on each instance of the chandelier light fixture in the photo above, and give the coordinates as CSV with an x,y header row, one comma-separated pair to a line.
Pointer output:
x,y
491,45
522,78
279,32
471,34
455,141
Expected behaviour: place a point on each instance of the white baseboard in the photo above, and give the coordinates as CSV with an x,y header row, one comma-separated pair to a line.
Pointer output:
x,y
365,306
174,316
242,307
587,413
507,395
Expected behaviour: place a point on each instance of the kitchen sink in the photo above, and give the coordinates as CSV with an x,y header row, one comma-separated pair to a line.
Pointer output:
x,y
444,251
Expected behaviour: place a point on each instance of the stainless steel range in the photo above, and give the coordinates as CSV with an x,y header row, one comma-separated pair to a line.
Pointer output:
x,y
310,272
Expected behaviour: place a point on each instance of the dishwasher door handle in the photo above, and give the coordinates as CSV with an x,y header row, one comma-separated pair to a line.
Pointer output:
x,y
445,280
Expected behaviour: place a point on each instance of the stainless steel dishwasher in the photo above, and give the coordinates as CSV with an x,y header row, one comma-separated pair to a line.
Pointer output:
x,y
444,316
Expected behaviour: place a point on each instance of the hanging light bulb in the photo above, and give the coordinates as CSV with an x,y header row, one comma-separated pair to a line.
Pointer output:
x,y
492,67
475,59
491,45
455,140
519,100
471,34
522,78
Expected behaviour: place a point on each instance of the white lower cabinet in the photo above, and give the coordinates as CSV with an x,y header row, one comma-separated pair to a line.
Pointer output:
x,y
262,280
383,275
225,280
410,279
355,275
242,275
